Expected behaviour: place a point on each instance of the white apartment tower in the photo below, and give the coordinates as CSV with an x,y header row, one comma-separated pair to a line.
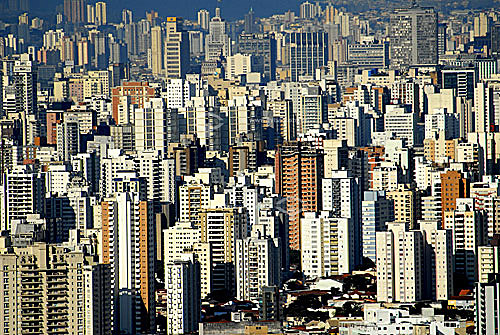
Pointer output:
x,y
203,19
184,239
399,264
128,245
221,227
327,245
22,194
258,264
155,126
468,234
38,278
182,285
438,264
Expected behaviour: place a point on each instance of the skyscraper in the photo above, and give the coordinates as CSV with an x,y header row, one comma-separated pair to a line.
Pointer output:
x,y
221,228
399,264
133,93
309,10
262,47
24,82
203,19
463,80
495,39
413,37
453,186
442,38
249,22
182,286
100,14
299,170
487,310
128,245
155,126
127,16
308,51
176,53
217,43
74,11
156,50
376,211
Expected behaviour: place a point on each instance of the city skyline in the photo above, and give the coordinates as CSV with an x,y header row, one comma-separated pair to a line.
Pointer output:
x,y
249,168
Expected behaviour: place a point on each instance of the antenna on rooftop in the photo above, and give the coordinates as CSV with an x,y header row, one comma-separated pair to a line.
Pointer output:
x,y
217,8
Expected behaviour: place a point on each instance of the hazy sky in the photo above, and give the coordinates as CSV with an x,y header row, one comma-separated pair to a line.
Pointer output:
x,y
231,9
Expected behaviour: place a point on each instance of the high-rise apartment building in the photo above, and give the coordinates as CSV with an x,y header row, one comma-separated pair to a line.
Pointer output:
x,y
438,261
258,264
468,231
488,261
183,239
192,198
101,14
138,93
308,52
284,121
399,264
183,302
22,194
487,311
413,37
90,13
341,195
221,228
376,211
58,283
157,40
128,246
486,198
68,138
203,19
328,245
155,126
482,24
299,170
159,175
453,186
313,111
406,205
74,11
